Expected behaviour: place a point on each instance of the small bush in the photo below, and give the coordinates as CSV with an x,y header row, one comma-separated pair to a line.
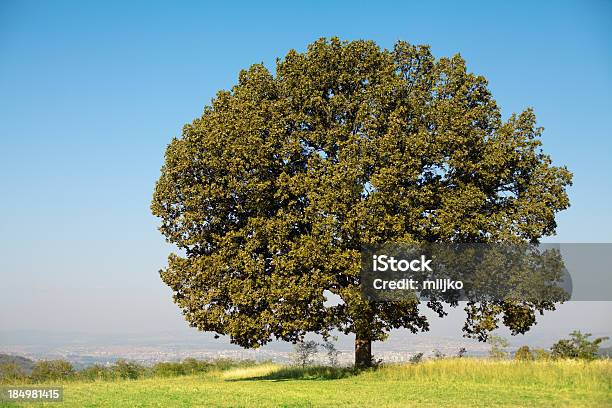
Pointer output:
x,y
171,369
123,369
541,355
523,354
376,363
304,352
11,372
498,347
193,366
128,370
311,373
331,352
416,358
95,372
52,370
224,364
438,354
577,346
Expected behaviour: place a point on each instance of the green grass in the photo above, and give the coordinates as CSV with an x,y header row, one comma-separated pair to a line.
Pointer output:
x,y
448,382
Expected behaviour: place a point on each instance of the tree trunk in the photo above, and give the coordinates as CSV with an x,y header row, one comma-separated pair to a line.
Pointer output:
x,y
363,353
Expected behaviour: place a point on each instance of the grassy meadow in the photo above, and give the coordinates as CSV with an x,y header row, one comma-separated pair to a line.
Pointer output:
x,y
447,382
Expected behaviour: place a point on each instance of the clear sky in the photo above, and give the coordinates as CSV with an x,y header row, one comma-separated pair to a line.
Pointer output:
x,y
91,93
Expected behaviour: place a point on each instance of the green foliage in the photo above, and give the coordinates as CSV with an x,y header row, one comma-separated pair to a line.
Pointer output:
x,y
331,352
60,370
498,347
304,352
11,371
224,364
274,190
120,370
95,372
577,346
52,370
127,370
193,366
524,354
416,358
170,369
310,373
541,355
374,363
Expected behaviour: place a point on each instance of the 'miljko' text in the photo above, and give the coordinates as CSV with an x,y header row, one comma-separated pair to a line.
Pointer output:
x,y
385,263
410,284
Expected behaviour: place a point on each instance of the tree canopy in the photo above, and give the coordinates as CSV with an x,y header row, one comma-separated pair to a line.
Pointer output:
x,y
271,194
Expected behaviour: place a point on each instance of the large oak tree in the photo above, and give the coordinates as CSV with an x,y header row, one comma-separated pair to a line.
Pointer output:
x,y
274,190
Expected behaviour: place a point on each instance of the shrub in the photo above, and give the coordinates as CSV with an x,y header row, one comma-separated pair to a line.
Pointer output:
x,y
498,347
416,358
226,364
577,346
95,372
170,369
461,352
127,370
311,373
11,372
193,366
376,362
331,352
52,370
304,352
541,354
438,354
523,354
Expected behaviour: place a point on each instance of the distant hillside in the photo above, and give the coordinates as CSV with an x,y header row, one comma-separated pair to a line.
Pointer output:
x,y
25,363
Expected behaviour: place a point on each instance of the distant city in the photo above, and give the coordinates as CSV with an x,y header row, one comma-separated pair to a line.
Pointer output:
x,y
148,346
84,350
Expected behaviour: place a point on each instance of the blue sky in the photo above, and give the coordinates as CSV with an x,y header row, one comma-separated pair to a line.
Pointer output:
x,y
91,93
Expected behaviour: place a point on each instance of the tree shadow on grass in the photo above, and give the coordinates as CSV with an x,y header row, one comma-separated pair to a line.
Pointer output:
x,y
304,373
